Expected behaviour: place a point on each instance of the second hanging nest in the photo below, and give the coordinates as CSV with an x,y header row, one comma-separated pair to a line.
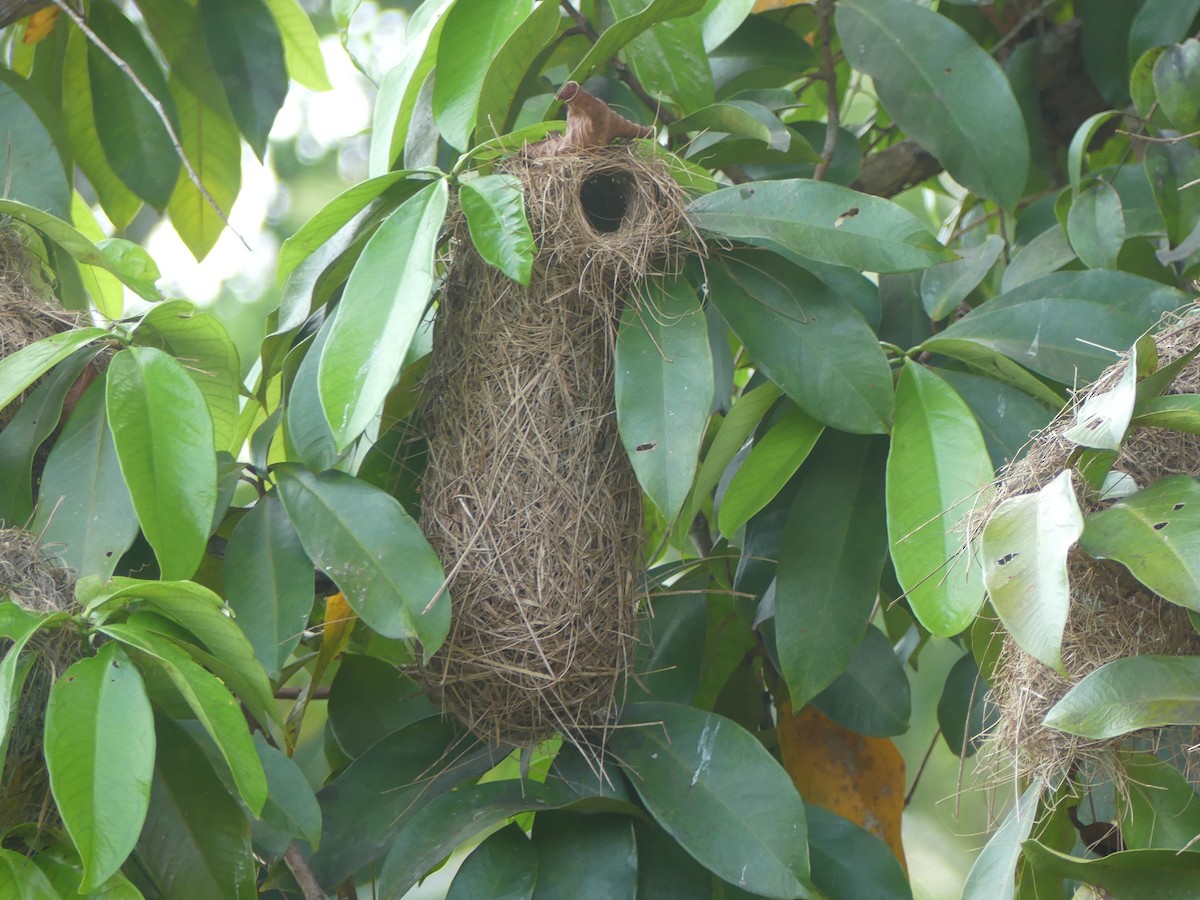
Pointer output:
x,y
529,497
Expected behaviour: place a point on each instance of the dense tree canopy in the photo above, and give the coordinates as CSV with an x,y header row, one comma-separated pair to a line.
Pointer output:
x,y
912,230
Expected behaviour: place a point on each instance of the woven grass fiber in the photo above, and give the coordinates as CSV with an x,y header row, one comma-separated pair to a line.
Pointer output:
x,y
25,317
34,583
1112,615
529,497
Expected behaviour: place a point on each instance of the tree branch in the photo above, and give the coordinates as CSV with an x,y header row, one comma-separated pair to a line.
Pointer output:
x,y
829,76
895,169
303,874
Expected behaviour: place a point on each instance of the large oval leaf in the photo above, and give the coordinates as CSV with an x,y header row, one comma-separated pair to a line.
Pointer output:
x,y
1129,874
33,169
380,310
1059,325
495,209
375,553
498,92
21,369
1096,226
693,768
823,222
1156,535
670,58
806,338
830,561
1129,694
943,89
664,389
100,754
872,696
994,873
163,435
851,863
582,855
1024,547
503,867
937,466
21,879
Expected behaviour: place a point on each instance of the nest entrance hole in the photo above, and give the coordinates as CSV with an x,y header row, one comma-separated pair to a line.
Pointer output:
x,y
606,198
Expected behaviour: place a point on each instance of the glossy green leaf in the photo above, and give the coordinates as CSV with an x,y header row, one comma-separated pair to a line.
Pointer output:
x,y
495,209
1177,83
20,627
380,310
199,340
1130,874
135,141
269,582
1160,22
307,436
742,118
872,696
850,863
21,879
585,856
245,48
1024,548
374,552
196,842
211,702
962,707
291,806
1082,139
945,286
474,32
162,432
21,369
1096,226
664,389
371,699
1179,412
1006,416
301,44
1046,253
951,96
994,873
692,768
100,755
938,468
1170,166
1059,325
806,338
830,563
665,870
503,867
1155,533
64,870
769,465
1161,810
105,289
33,169
1102,419
820,221
669,57
502,81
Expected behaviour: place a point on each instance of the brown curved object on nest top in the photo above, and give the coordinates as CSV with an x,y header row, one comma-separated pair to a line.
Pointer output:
x,y
590,124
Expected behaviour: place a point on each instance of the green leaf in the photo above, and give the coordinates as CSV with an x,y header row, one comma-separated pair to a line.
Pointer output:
x,y
1179,412
33,169
12,677
372,550
1046,253
820,221
21,369
943,90
269,583
665,870
196,842
382,306
100,755
692,768
872,696
994,873
664,389
1102,419
135,142
501,83
474,32
742,118
945,286
582,855
938,467
1082,139
1096,226
163,435
669,657
248,55
1155,533
1024,547
291,806
669,57
1130,874
301,44
830,563
962,707
212,704
1059,325
1160,22
200,340
849,862
769,465
306,433
1161,811
806,338
21,879
1177,83
371,699
503,867
495,209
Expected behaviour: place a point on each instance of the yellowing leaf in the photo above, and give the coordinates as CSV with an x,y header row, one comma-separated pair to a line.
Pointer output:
x,y
40,24
859,778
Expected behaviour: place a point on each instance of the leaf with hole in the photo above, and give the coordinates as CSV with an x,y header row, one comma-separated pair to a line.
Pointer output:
x,y
1102,419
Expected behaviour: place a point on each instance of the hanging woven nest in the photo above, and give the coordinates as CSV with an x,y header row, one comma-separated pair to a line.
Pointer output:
x,y
34,583
25,317
1112,615
529,497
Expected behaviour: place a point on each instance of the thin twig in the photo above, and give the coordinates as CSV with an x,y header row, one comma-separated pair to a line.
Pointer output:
x,y
158,108
293,693
829,75
1178,139
921,768
303,874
